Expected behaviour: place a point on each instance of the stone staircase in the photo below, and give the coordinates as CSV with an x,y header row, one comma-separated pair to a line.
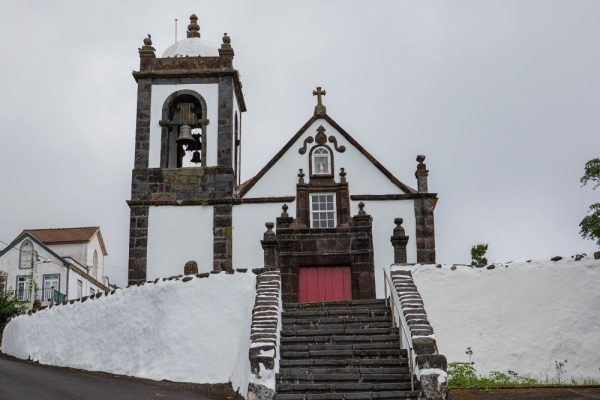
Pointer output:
x,y
343,350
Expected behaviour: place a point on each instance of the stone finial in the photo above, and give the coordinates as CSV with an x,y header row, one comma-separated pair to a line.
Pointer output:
x,y
269,226
421,174
399,241
284,213
361,209
190,267
301,176
147,50
320,107
226,52
342,175
226,41
193,28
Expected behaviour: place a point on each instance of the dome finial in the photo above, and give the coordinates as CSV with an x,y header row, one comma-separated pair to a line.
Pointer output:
x,y
193,28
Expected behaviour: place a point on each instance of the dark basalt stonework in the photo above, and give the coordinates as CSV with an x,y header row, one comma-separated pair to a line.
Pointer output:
x,y
345,246
155,186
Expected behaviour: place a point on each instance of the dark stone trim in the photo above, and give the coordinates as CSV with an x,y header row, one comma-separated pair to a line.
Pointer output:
x,y
246,186
210,202
381,197
425,230
138,244
222,237
224,138
156,76
142,126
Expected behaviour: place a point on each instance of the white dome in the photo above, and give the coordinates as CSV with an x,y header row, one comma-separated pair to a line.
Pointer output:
x,y
191,47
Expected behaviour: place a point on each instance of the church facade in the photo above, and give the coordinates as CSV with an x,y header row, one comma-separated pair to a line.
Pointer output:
x,y
323,210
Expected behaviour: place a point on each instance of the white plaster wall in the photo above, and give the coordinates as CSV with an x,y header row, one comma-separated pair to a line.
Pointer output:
x,y
248,229
383,213
177,235
9,263
77,251
362,175
94,245
210,93
86,285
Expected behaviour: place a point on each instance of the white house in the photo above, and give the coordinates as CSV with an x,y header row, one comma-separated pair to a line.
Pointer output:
x,y
54,265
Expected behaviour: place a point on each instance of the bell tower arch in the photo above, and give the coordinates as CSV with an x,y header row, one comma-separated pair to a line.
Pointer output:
x,y
188,132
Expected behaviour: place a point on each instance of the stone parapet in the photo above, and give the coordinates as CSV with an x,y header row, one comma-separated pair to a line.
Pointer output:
x,y
266,321
430,366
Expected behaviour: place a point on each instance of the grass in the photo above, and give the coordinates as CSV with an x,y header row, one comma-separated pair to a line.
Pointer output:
x,y
463,375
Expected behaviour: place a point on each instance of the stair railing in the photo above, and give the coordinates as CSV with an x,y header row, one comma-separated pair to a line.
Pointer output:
x,y
393,301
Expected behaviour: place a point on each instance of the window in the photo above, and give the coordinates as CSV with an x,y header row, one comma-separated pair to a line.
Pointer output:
x,y
94,269
50,284
3,277
322,210
321,161
23,289
26,256
79,289
92,292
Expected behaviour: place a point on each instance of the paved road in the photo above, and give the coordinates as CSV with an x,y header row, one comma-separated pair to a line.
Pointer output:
x,y
590,393
21,380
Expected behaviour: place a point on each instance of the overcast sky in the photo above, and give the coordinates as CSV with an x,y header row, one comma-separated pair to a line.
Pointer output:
x,y
502,96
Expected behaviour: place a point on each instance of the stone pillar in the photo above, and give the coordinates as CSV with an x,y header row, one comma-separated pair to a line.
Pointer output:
x,y
399,241
425,230
138,243
269,245
421,175
222,237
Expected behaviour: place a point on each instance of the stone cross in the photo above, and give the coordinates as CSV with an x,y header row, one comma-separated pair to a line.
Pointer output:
x,y
319,108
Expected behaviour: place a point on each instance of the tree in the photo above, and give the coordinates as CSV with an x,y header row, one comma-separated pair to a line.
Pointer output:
x,y
478,254
10,305
590,224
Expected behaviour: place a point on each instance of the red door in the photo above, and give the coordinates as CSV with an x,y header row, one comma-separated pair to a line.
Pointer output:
x,y
320,284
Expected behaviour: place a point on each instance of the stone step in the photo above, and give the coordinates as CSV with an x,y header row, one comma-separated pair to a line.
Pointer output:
x,y
338,331
338,346
344,362
335,320
336,312
351,369
341,377
343,338
340,387
333,304
406,395
356,325
352,353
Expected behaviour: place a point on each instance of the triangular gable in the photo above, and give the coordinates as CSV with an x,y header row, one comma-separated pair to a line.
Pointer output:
x,y
246,186
28,235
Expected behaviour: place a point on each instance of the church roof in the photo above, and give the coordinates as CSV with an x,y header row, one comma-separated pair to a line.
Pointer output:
x,y
246,186
67,235
192,47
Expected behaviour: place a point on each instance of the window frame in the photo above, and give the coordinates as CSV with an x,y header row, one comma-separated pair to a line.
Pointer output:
x,y
25,242
79,288
44,284
312,164
26,293
310,206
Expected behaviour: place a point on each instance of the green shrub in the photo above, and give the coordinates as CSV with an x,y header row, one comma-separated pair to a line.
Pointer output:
x,y
478,254
10,305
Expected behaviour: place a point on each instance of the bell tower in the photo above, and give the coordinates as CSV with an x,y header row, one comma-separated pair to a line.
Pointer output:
x,y
187,154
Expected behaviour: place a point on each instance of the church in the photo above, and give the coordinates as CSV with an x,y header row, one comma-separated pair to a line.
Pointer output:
x,y
323,211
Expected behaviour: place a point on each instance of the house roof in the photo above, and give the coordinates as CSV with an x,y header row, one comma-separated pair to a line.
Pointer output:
x,y
246,186
67,235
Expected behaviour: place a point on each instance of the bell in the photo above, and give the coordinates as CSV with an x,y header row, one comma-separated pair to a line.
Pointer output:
x,y
185,136
196,157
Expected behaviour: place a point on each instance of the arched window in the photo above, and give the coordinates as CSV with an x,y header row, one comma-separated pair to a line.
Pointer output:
x,y
26,256
94,270
321,161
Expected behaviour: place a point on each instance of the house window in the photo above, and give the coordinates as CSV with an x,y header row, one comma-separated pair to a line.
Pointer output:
x,y
23,289
50,284
26,255
322,210
79,289
321,161
92,292
94,269
3,277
